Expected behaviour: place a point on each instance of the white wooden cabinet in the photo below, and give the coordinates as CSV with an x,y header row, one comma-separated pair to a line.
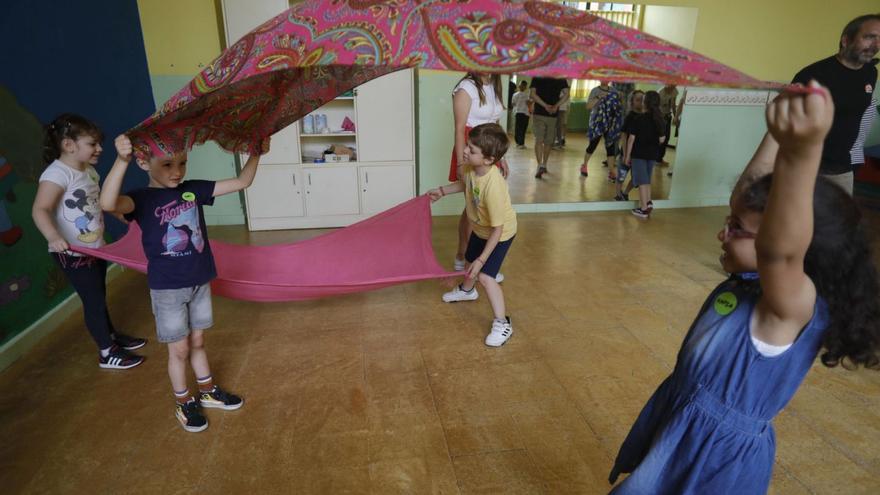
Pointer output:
x,y
385,124
331,190
381,186
290,190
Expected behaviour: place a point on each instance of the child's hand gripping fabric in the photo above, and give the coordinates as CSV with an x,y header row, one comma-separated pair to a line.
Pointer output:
x,y
473,270
798,120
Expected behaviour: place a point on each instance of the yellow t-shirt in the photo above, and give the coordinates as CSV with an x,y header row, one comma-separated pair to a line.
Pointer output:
x,y
487,202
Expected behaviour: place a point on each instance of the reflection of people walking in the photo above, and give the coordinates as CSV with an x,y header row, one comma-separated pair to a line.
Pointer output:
x,y
668,107
562,118
521,114
547,93
606,120
645,137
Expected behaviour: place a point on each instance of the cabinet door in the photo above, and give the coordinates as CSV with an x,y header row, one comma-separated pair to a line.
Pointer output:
x,y
242,16
284,148
331,191
276,192
385,186
385,118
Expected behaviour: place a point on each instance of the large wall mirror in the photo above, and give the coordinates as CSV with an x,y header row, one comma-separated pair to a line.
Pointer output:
x,y
564,181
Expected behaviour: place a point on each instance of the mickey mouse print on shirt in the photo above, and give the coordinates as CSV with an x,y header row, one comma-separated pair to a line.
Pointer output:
x,y
85,213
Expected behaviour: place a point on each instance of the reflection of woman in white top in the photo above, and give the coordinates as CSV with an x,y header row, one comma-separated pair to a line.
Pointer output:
x,y
475,100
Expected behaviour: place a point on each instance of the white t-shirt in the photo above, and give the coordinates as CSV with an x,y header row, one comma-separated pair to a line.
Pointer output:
x,y
78,216
521,102
480,114
768,350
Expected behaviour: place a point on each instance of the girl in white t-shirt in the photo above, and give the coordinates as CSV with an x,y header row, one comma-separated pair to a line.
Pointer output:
x,y
476,99
67,212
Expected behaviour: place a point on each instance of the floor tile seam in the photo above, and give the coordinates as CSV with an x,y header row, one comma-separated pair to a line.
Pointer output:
x,y
602,441
211,450
796,479
480,368
836,445
485,452
864,400
668,366
545,476
440,420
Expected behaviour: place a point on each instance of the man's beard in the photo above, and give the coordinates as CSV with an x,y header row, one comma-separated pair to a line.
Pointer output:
x,y
855,56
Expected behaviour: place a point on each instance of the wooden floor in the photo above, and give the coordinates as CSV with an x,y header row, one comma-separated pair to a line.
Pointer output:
x,y
564,183
394,392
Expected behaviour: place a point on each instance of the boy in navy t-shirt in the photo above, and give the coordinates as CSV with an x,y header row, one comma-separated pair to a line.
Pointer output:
x,y
180,266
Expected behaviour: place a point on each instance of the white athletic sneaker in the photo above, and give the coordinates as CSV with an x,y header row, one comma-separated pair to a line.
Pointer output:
x,y
501,332
499,277
458,265
458,294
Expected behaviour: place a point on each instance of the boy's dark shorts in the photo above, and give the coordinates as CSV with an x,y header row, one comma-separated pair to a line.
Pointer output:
x,y
493,264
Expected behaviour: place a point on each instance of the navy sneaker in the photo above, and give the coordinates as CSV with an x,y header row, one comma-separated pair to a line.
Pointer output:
x,y
640,212
220,399
119,359
190,416
127,342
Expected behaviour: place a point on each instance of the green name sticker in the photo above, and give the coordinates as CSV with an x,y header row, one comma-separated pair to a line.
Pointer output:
x,y
725,303
189,196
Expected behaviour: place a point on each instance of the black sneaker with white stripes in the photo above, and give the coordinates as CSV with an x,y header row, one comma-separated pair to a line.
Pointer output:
x,y
119,359
128,342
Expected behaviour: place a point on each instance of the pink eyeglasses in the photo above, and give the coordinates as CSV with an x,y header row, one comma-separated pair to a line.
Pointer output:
x,y
736,233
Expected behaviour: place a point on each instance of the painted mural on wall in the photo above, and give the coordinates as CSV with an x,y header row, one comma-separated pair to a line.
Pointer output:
x,y
29,282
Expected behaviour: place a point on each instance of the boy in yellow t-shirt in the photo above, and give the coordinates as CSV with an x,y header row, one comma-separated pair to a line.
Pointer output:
x,y
492,219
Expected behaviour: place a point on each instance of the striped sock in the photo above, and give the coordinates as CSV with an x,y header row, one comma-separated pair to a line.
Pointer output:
x,y
182,397
206,384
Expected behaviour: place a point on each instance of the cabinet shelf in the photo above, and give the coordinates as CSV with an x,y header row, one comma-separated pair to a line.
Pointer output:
x,y
328,134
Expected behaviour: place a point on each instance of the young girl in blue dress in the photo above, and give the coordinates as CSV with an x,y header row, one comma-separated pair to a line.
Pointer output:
x,y
802,282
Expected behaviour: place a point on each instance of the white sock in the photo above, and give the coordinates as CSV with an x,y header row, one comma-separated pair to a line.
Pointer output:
x,y
105,352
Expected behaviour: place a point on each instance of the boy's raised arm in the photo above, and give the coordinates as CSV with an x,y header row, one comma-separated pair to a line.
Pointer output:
x,y
244,180
111,201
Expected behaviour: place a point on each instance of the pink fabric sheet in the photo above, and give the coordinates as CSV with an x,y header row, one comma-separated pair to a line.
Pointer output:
x,y
390,248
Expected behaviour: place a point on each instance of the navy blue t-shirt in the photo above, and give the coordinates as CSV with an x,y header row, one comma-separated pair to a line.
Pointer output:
x,y
174,237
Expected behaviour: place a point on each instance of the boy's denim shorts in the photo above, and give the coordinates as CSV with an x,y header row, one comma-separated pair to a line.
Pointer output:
x,y
178,311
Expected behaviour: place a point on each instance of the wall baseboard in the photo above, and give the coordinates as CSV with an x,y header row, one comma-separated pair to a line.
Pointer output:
x,y
11,351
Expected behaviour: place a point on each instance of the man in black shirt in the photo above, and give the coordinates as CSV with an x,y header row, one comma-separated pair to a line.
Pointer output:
x,y
851,77
547,95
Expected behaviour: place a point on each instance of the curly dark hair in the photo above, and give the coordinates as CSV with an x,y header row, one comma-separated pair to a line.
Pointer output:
x,y
839,262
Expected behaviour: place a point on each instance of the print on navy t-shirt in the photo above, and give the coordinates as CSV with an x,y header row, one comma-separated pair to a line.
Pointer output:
x,y
174,236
